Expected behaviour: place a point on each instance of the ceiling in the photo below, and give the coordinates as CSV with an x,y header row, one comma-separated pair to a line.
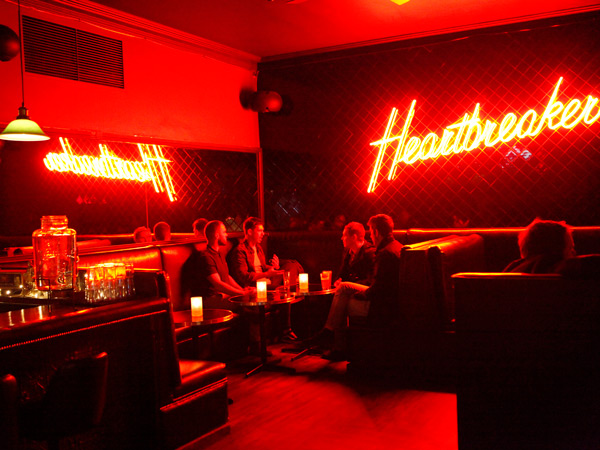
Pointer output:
x,y
273,29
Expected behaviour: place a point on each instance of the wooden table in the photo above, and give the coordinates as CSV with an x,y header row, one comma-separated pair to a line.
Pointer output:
x,y
278,296
209,317
314,290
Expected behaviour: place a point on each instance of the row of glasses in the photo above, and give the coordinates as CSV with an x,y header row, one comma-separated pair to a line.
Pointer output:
x,y
108,281
303,281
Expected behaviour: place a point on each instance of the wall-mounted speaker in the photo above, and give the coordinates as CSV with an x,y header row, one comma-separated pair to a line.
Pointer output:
x,y
266,101
9,43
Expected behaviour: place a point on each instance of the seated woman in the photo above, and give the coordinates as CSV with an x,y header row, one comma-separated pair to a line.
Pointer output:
x,y
544,245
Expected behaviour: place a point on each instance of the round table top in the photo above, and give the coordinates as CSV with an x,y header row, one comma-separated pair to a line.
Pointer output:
x,y
274,297
315,289
209,317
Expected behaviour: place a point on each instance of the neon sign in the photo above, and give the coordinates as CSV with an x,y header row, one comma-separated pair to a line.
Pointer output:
x,y
469,132
153,166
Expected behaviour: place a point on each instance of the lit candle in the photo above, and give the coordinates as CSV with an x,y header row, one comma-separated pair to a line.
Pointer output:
x,y
197,314
261,290
303,279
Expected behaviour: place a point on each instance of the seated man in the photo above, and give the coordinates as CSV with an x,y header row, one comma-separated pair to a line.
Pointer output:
x,y
198,227
212,280
162,231
248,265
141,235
543,245
358,261
377,302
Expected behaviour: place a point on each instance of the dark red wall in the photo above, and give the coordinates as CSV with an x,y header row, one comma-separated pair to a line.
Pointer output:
x,y
318,160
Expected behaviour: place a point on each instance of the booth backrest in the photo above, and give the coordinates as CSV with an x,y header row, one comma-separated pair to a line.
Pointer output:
x,y
528,360
174,256
314,250
426,295
142,257
501,245
169,256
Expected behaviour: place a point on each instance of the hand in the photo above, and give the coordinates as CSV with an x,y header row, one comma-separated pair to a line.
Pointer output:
x,y
274,262
337,282
272,273
249,290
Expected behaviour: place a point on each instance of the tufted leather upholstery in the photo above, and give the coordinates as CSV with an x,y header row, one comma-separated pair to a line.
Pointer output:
x,y
423,337
528,358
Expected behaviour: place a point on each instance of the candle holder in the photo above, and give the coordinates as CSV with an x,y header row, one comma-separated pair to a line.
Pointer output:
x,y
303,282
197,312
261,290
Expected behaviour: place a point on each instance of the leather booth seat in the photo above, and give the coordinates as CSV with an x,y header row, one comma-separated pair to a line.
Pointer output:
x,y
154,399
422,339
529,365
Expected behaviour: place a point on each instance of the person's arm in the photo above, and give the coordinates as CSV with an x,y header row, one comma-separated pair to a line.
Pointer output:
x,y
384,275
239,267
274,263
366,267
223,287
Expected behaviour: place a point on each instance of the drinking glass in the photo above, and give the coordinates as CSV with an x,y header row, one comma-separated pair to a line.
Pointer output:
x,y
326,280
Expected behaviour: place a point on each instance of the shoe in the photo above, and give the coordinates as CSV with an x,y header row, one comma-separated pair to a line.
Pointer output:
x,y
289,337
335,355
323,339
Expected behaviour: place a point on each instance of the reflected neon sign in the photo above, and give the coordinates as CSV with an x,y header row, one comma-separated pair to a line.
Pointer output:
x,y
469,132
152,168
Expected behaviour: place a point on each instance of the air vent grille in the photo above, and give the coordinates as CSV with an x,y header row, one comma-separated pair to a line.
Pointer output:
x,y
65,52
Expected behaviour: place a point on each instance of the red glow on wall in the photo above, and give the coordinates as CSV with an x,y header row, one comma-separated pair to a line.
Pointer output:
x,y
153,167
469,133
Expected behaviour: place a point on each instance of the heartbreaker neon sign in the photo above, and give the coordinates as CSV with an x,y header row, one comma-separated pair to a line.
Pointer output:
x,y
153,166
469,133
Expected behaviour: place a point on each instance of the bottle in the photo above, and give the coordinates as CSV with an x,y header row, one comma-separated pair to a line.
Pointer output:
x,y
54,255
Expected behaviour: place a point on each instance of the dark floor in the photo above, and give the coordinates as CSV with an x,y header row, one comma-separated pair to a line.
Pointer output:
x,y
323,407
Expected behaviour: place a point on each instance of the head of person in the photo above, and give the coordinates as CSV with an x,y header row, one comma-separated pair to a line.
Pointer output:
x,y
254,230
142,234
381,226
216,233
339,221
353,236
198,227
546,237
162,231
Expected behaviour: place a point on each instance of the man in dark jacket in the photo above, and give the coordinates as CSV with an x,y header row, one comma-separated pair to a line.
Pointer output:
x,y
248,265
358,262
377,302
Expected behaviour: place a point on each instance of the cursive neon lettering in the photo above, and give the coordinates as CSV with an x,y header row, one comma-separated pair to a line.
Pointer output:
x,y
591,102
569,111
469,133
473,125
429,140
411,150
521,123
153,167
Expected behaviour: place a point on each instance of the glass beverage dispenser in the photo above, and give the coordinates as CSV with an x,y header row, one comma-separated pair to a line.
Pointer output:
x,y
54,255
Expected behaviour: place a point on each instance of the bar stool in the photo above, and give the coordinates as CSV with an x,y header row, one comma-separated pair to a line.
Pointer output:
x,y
73,403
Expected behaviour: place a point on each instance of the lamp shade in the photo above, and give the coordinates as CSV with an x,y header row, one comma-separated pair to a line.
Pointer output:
x,y
23,129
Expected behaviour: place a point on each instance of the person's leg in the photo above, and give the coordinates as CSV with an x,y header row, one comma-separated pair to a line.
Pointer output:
x,y
338,312
356,308
288,334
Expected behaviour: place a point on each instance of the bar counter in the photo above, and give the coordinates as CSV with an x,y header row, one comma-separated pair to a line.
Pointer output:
x,y
35,341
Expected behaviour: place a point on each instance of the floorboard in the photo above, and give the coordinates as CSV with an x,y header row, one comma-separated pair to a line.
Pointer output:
x,y
323,407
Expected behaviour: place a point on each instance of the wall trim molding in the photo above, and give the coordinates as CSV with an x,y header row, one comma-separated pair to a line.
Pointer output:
x,y
431,33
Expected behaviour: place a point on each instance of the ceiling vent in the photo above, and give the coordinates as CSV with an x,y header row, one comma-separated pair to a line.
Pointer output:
x,y
65,52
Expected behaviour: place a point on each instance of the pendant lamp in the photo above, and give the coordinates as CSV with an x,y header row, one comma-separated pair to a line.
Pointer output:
x,y
23,128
